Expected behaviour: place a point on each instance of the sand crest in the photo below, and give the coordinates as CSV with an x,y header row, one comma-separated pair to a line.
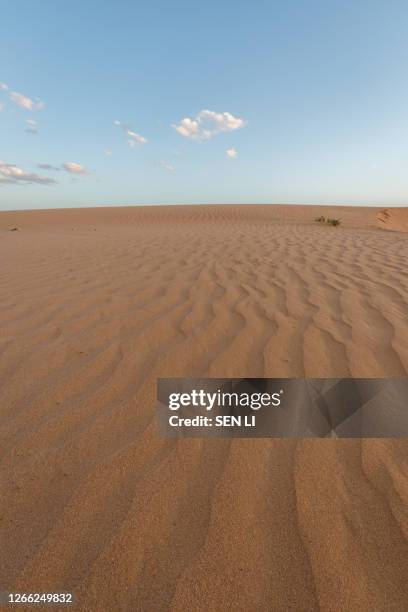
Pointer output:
x,y
394,219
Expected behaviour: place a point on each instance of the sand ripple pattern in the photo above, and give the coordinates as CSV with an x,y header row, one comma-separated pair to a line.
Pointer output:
x,y
94,306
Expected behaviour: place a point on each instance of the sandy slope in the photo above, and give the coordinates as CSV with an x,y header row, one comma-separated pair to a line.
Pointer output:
x,y
94,306
394,219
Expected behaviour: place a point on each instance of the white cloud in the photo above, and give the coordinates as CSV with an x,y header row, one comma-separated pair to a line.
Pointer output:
x,y
187,127
74,168
25,101
3,86
136,137
71,167
168,166
133,137
207,124
11,174
107,152
1,106
232,153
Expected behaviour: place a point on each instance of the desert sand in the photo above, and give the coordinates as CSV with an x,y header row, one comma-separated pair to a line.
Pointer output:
x,y
95,304
394,219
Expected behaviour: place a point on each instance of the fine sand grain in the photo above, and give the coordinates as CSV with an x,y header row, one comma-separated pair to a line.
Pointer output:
x,y
95,304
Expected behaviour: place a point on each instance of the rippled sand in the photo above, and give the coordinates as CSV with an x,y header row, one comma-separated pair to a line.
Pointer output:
x,y
95,304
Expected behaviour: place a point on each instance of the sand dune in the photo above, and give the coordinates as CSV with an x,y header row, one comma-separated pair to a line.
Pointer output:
x,y
95,304
394,219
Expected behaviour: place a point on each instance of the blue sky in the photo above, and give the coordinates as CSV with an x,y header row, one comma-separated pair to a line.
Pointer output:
x,y
304,102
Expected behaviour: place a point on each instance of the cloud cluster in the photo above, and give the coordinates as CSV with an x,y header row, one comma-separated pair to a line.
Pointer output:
x,y
204,125
13,175
207,124
25,101
133,137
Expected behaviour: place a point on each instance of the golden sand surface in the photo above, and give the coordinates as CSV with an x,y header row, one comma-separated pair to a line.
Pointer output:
x,y
95,305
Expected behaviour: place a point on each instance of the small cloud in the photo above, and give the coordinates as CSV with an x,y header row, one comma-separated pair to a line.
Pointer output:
x,y
25,101
48,167
168,166
107,152
12,174
133,137
1,106
32,126
207,124
70,167
74,168
3,86
136,137
231,153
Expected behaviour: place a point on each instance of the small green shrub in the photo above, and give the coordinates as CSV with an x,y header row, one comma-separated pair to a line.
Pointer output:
x,y
334,222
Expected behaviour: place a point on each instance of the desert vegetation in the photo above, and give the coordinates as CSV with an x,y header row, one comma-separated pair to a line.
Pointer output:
x,y
332,222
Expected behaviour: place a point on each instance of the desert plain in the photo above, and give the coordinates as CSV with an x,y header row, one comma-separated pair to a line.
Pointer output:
x,y
95,305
